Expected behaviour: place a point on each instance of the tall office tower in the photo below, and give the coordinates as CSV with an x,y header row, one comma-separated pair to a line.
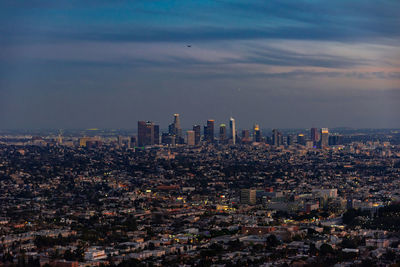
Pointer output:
x,y
197,134
156,134
256,133
176,130
335,140
232,127
209,134
177,121
248,196
190,138
280,139
290,140
314,135
245,136
177,126
222,133
301,139
275,137
324,142
145,133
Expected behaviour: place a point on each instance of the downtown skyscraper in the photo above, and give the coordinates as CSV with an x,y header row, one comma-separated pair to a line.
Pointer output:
x,y
209,131
315,135
175,129
148,133
222,133
232,127
257,133
190,138
197,134
324,140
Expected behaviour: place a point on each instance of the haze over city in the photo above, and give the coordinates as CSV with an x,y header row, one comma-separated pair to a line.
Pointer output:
x,y
282,64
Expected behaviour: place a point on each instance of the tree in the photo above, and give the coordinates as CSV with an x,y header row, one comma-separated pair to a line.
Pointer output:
x,y
272,241
68,255
326,249
326,230
7,257
151,246
351,242
21,261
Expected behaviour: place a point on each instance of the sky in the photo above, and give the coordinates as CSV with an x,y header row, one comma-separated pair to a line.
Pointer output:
x,y
279,63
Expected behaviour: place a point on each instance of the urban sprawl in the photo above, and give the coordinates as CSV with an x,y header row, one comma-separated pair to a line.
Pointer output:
x,y
208,196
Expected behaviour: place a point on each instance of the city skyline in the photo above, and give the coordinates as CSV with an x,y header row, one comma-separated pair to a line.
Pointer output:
x,y
108,64
188,125
148,134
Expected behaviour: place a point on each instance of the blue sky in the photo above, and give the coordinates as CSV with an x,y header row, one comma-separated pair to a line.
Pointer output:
x,y
83,64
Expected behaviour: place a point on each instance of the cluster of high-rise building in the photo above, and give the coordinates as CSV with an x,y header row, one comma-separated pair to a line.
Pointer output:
x,y
149,134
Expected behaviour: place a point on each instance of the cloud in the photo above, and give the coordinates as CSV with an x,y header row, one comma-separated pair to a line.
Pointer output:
x,y
168,21
131,58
